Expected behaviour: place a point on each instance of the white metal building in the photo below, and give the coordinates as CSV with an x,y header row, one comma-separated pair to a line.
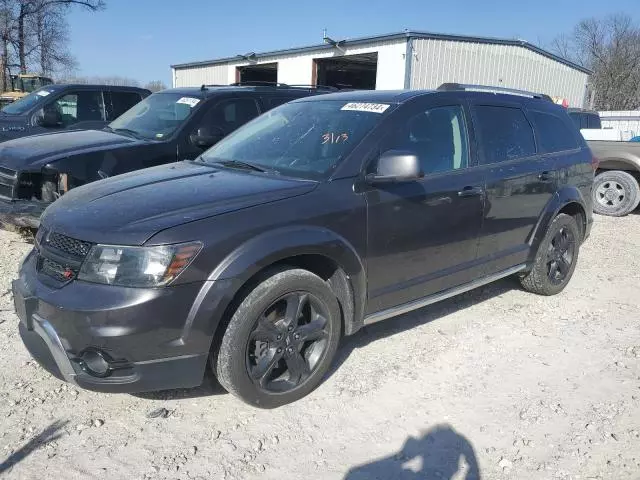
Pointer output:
x,y
415,60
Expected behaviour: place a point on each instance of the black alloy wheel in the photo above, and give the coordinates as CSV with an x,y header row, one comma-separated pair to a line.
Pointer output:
x,y
560,255
287,342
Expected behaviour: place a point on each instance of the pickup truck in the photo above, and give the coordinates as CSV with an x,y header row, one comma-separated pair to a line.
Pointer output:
x,y
616,191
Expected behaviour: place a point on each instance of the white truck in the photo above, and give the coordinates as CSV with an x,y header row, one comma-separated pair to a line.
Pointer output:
x,y
616,190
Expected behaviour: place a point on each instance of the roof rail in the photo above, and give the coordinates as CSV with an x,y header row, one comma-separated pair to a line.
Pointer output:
x,y
258,83
448,87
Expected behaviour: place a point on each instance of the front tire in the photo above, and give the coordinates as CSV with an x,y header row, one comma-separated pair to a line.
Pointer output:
x,y
281,340
556,259
615,193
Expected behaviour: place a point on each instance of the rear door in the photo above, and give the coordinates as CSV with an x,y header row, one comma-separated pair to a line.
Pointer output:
x,y
520,181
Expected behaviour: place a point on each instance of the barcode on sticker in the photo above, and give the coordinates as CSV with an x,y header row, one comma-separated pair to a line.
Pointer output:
x,y
366,107
192,102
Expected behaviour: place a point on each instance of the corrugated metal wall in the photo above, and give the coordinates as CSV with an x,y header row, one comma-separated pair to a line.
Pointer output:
x,y
205,75
439,61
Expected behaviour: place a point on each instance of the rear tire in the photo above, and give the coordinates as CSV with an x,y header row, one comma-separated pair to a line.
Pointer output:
x,y
281,340
615,193
556,259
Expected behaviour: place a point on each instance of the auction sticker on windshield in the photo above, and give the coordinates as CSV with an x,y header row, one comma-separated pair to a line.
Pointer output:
x,y
192,102
43,93
366,107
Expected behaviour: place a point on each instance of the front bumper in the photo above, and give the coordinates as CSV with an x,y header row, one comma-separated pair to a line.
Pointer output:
x,y
21,213
141,330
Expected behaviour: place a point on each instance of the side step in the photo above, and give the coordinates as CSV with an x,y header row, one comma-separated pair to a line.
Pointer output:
x,y
437,297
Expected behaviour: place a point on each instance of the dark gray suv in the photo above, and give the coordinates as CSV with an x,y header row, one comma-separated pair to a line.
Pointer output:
x,y
320,216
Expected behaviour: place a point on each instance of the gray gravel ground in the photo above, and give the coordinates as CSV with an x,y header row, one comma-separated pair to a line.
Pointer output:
x,y
498,381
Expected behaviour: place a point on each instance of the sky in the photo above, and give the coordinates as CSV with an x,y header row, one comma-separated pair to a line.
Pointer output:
x,y
140,39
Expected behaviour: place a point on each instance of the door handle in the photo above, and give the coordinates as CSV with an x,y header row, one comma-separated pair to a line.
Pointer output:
x,y
545,176
470,191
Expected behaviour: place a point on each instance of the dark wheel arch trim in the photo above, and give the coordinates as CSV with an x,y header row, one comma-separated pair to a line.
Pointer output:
x,y
567,197
258,254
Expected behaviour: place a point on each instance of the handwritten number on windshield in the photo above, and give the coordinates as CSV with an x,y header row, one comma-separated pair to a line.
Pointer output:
x,y
333,138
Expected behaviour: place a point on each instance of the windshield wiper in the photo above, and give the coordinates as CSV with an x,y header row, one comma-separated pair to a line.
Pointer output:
x,y
127,131
241,164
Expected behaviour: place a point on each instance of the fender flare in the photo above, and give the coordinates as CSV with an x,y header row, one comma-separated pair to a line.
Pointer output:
x,y
256,254
565,196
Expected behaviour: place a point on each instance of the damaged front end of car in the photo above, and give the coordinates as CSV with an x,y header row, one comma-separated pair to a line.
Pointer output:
x,y
24,195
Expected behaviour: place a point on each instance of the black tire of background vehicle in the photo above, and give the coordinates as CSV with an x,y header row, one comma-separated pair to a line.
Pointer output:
x,y
631,193
537,280
48,191
229,362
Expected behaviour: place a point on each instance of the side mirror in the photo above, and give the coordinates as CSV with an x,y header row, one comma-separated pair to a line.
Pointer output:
x,y
206,137
49,118
396,166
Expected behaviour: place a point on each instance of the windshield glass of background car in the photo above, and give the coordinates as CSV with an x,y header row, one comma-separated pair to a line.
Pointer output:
x,y
157,116
306,139
27,102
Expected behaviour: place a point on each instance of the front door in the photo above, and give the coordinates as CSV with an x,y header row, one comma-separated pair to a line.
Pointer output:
x,y
520,181
422,234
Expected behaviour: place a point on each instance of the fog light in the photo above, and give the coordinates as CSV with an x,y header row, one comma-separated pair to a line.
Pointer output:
x,y
95,363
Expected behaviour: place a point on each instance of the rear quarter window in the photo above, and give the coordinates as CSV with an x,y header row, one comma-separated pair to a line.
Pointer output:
x,y
554,133
593,121
505,133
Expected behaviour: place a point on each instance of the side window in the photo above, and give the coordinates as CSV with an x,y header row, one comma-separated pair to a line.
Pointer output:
x,y
231,114
554,134
576,119
438,137
121,102
79,107
584,122
505,133
594,121
273,102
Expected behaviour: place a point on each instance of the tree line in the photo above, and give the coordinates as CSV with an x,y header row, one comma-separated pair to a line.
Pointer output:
x,y
610,47
34,38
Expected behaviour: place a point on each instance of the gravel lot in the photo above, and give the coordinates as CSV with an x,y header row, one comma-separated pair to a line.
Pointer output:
x,y
498,381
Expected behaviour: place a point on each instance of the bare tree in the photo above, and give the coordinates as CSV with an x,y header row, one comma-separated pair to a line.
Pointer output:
x,y
611,48
155,86
51,40
28,10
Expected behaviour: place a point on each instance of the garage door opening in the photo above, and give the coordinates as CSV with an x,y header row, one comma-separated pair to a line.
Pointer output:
x,y
266,72
350,71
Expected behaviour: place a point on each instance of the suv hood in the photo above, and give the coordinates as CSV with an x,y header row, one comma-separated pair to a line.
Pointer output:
x,y
129,209
38,150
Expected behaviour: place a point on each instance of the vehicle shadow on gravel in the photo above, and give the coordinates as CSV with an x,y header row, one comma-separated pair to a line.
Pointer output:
x,y
48,435
392,326
441,453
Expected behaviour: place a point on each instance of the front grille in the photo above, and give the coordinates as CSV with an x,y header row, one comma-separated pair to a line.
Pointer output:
x,y
68,245
56,270
59,256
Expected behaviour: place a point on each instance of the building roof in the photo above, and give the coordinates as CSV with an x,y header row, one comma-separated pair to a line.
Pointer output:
x,y
388,37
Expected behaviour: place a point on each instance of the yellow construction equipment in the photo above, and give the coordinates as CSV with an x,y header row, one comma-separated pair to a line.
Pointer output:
x,y
22,84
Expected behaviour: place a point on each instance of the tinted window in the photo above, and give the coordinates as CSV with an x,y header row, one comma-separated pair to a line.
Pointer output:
x,y
505,133
438,136
272,102
576,119
79,107
593,121
554,134
231,114
121,102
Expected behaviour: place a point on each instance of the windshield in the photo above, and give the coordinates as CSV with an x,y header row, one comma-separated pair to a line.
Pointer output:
x,y
27,102
306,139
157,116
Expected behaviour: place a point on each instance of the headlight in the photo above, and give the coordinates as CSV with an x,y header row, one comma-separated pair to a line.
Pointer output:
x,y
137,266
